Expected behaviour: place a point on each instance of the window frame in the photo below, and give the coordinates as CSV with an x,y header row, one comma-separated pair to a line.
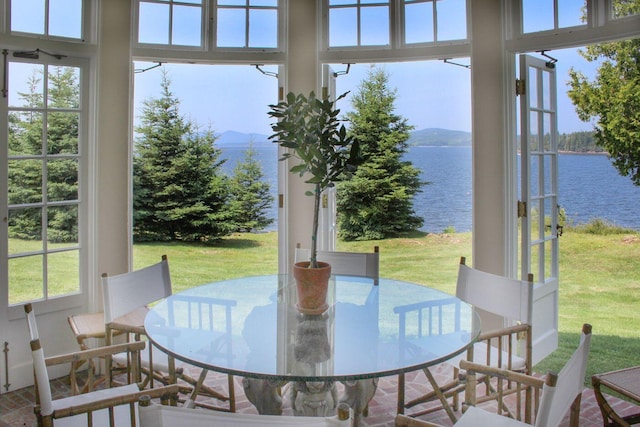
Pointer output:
x,y
51,303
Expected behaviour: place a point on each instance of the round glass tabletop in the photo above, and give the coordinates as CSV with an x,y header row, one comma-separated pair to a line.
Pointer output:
x,y
250,327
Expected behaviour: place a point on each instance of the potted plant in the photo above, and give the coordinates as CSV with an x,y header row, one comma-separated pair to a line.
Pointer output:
x,y
310,130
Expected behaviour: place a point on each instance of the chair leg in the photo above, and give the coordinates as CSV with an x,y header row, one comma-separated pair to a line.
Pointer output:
x,y
574,420
441,396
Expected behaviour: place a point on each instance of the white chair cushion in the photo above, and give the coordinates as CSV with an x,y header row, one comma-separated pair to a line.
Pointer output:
x,y
475,417
160,359
159,415
480,357
100,418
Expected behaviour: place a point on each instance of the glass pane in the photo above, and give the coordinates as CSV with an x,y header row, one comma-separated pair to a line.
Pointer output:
x,y
62,182
232,2
452,20
27,16
343,27
62,133
546,129
26,88
187,26
548,258
546,90
571,13
418,23
622,8
63,270
63,87
548,169
25,133
153,23
375,26
342,2
537,15
263,28
62,226
535,224
534,176
533,88
65,18
25,230
231,28
25,181
25,279
534,142
269,3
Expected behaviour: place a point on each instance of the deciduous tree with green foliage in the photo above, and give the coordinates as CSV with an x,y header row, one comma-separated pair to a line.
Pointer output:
x,y
179,191
250,194
613,98
377,202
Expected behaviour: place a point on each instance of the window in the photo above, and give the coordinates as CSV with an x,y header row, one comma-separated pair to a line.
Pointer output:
x,y
170,22
55,18
358,23
234,23
43,189
247,23
624,8
428,21
546,15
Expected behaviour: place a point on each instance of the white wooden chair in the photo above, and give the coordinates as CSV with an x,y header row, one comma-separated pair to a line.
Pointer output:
x,y
561,392
153,415
107,407
358,264
125,298
508,348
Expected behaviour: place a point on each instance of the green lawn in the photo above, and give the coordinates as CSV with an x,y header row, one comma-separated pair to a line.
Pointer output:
x,y
599,280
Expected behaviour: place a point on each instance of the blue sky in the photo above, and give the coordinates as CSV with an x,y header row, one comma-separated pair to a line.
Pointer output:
x,y
429,94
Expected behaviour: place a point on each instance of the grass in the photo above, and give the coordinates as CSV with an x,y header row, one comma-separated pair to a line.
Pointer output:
x,y
599,279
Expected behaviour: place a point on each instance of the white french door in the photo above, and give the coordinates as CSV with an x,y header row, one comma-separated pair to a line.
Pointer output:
x,y
538,206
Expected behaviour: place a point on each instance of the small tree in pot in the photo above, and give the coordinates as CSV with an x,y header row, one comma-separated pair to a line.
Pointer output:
x,y
310,129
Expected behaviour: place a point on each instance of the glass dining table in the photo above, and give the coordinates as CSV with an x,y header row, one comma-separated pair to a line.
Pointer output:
x,y
250,327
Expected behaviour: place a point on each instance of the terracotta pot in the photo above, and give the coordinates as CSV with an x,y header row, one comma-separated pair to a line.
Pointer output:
x,y
312,285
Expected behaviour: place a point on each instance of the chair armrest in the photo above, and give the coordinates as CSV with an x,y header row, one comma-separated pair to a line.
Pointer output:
x,y
124,327
167,393
405,421
476,368
78,356
523,327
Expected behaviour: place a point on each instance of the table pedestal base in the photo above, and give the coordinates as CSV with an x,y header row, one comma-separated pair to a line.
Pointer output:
x,y
311,398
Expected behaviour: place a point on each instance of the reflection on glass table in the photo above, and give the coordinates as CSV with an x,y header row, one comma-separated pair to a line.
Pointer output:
x,y
250,327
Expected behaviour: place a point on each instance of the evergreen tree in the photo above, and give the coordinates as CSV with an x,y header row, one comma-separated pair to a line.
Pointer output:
x,y
250,194
179,192
26,138
377,202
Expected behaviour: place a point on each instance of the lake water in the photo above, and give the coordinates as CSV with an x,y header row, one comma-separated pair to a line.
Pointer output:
x,y
590,187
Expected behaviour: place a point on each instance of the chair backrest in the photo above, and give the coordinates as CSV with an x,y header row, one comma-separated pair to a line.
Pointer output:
x,y
510,298
558,396
160,415
39,366
126,292
360,264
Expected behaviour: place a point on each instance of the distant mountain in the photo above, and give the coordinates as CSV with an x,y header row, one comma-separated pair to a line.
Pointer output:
x,y
440,138
232,138
425,137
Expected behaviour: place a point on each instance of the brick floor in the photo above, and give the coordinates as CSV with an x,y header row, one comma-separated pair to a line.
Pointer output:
x,y
16,406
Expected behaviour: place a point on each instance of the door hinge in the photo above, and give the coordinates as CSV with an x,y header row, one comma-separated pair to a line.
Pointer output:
x,y
522,209
520,87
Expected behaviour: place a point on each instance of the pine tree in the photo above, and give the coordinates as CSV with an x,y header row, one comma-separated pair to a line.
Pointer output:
x,y
377,202
26,138
179,191
250,194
